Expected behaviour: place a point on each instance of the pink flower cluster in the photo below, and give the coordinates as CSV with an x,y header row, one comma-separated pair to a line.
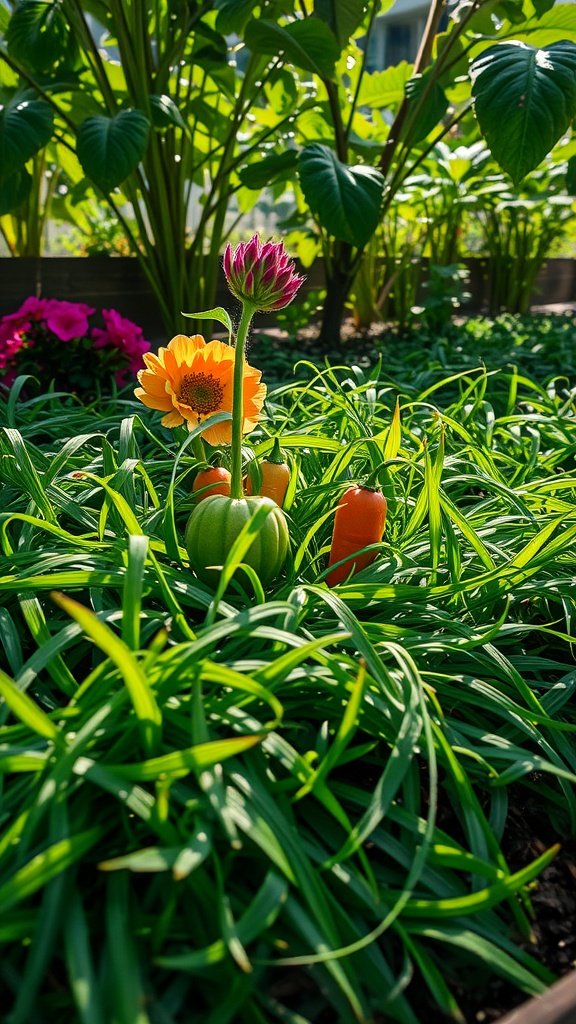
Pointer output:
x,y
30,338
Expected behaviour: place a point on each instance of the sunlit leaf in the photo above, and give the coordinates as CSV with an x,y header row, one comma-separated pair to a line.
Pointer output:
x,y
307,43
110,148
25,127
525,99
346,200
40,35
343,16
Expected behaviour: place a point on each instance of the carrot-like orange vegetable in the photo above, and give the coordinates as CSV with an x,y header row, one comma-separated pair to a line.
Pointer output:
x,y
274,476
359,521
211,480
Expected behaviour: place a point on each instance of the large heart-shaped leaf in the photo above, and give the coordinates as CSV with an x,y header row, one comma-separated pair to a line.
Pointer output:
x,y
346,200
13,191
525,100
268,169
428,104
308,43
343,16
110,148
25,127
233,14
39,35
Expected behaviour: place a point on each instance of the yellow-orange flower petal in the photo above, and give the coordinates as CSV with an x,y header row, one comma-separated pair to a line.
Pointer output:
x,y
192,379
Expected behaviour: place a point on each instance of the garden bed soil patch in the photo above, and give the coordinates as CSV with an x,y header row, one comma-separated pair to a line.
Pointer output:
x,y
275,348
553,899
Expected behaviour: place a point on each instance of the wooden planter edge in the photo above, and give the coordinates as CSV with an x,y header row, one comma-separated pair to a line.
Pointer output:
x,y
555,1006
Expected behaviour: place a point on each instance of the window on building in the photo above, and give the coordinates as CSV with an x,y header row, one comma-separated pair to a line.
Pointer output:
x,y
400,42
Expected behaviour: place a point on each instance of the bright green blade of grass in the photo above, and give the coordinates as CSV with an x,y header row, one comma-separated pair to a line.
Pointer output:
x,y
144,703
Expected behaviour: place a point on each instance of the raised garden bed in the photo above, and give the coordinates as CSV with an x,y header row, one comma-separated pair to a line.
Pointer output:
x,y
557,1006
119,282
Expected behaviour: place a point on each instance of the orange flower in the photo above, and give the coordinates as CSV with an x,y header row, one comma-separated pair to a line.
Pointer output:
x,y
191,379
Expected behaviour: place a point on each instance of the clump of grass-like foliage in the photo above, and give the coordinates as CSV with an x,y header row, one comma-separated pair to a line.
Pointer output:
x,y
292,806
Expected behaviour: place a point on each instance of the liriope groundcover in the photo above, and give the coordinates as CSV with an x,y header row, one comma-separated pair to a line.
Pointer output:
x,y
291,803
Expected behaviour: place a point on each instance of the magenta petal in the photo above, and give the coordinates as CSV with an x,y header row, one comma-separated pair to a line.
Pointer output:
x,y
269,275
252,251
283,278
238,263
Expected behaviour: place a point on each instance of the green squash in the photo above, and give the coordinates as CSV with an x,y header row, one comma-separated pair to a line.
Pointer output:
x,y
215,524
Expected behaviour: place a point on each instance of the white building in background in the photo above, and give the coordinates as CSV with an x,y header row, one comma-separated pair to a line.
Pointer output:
x,y
396,35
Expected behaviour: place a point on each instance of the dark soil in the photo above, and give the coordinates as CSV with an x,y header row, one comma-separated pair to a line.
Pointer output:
x,y
279,352
553,900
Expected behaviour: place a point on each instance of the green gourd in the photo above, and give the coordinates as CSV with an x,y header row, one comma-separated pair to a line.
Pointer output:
x,y
215,524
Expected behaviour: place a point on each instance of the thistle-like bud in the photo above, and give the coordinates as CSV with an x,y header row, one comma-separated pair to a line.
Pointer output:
x,y
263,275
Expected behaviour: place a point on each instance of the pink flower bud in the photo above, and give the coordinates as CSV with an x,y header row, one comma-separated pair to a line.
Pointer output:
x,y
263,275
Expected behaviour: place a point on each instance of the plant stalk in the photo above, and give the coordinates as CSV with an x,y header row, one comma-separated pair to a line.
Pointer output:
x,y
248,311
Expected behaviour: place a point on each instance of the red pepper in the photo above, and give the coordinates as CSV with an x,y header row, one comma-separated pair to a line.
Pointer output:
x,y
209,481
359,521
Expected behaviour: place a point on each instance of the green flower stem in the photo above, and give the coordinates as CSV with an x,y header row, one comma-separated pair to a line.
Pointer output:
x,y
248,311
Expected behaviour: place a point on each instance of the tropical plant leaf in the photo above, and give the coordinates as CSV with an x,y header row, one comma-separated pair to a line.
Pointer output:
x,y
346,200
13,190
39,35
383,89
165,113
110,148
309,43
209,48
428,104
276,167
343,16
281,91
513,10
25,127
234,14
554,23
525,100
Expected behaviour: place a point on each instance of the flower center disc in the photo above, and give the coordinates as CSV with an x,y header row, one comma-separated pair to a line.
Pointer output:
x,y
202,392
